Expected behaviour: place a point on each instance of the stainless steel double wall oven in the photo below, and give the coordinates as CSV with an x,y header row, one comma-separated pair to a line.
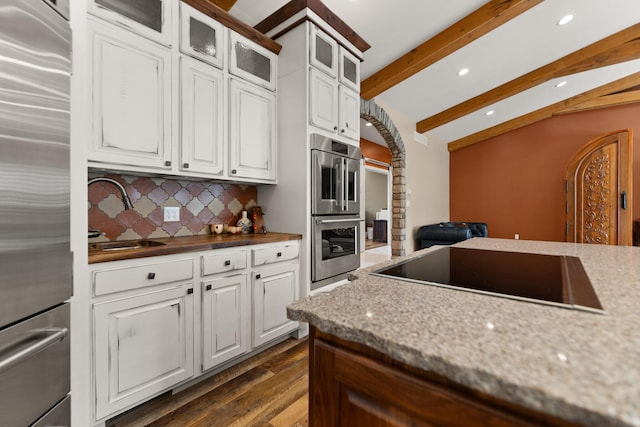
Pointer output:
x,y
35,257
335,209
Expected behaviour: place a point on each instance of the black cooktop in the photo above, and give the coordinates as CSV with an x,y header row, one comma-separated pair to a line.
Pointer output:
x,y
548,279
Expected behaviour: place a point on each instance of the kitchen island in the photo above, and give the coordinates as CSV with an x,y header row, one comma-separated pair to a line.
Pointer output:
x,y
395,351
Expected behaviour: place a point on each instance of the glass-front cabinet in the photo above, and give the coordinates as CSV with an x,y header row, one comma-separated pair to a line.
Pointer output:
x,y
324,51
201,37
349,69
252,62
149,18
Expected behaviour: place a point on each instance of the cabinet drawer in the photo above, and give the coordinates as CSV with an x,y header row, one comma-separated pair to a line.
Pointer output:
x,y
139,276
275,254
221,263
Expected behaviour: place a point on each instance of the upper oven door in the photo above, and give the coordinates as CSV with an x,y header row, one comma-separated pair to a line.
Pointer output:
x,y
349,202
326,183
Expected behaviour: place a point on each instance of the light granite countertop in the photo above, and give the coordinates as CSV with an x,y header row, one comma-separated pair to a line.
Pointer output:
x,y
576,365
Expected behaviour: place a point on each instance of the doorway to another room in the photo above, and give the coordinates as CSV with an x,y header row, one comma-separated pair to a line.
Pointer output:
x,y
377,182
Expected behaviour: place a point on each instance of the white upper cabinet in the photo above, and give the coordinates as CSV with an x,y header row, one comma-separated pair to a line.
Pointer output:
x,y
349,113
349,69
201,36
149,18
323,52
252,132
324,101
202,118
334,85
252,62
131,83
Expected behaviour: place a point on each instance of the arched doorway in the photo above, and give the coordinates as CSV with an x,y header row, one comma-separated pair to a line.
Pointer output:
x,y
375,115
598,184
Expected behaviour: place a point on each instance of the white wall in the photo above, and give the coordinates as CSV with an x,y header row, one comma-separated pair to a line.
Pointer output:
x,y
427,173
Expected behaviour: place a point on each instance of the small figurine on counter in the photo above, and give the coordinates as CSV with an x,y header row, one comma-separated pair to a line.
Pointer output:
x,y
245,223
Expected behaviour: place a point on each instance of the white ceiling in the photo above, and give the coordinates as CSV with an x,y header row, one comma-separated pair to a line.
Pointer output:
x,y
523,44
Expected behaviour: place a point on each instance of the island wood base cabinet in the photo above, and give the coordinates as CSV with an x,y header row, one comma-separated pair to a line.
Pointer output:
x,y
353,385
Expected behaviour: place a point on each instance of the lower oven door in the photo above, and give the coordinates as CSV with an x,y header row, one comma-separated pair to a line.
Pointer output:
x,y
34,367
334,246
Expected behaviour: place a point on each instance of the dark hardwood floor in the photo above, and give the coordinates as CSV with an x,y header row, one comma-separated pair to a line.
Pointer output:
x,y
270,389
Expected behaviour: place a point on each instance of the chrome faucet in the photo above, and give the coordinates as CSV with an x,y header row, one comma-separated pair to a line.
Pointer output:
x,y
125,198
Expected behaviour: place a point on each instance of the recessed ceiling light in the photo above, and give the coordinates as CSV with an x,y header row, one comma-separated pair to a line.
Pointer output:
x,y
463,71
562,83
368,124
490,112
565,20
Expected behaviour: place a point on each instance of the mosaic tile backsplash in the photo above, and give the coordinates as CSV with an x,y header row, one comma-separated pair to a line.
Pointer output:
x,y
200,202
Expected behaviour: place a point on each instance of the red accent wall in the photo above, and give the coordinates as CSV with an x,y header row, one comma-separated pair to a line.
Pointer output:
x,y
514,182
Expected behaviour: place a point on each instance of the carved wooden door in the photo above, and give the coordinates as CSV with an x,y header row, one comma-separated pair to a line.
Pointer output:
x,y
598,188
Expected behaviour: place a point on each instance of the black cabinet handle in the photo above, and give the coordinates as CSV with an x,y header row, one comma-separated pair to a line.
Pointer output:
x,y
233,171
167,163
227,263
151,276
257,276
185,165
623,200
279,254
189,291
208,287
335,128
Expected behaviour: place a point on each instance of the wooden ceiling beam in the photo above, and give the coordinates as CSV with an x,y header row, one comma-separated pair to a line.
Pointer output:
x,y
546,112
486,18
534,78
625,52
605,101
224,4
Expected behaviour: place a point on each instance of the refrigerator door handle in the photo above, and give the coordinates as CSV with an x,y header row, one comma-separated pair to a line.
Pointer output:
x,y
53,337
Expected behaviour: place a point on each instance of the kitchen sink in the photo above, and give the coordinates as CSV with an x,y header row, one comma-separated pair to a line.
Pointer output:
x,y
124,244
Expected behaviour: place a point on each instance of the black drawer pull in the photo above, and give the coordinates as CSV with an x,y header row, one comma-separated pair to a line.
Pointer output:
x,y
227,262
151,276
167,163
257,276
208,287
279,254
189,291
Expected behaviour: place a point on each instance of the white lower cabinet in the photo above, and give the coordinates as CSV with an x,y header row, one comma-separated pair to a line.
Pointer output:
x,y
273,290
152,329
225,320
143,345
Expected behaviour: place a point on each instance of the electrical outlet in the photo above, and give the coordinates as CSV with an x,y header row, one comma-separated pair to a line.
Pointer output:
x,y
171,214
517,237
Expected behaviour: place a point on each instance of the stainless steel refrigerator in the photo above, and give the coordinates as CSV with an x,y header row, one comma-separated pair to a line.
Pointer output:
x,y
35,257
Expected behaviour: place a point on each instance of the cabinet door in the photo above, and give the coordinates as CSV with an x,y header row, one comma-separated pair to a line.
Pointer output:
x,y
349,113
252,62
252,132
225,320
324,51
324,101
273,290
349,69
201,36
149,18
131,99
202,118
143,345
